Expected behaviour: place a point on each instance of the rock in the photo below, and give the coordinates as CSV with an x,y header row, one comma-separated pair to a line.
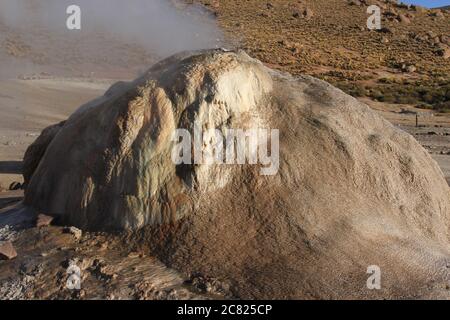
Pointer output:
x,y
302,12
355,3
15,186
431,34
350,188
436,41
43,220
77,233
385,30
7,251
410,68
35,152
308,14
209,285
133,255
444,52
403,19
445,39
437,13
215,4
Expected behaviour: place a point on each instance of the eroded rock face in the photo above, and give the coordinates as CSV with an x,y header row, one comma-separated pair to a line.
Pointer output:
x,y
111,166
351,191
36,151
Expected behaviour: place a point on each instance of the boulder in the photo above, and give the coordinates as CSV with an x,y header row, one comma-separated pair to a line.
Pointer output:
x,y
43,220
351,190
7,251
75,232
403,19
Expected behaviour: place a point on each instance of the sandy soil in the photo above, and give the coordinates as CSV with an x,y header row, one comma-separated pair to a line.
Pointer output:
x,y
108,268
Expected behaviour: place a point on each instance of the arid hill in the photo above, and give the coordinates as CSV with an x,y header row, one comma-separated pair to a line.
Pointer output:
x,y
407,62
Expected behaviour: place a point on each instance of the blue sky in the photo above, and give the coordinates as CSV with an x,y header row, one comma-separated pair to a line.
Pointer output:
x,y
429,3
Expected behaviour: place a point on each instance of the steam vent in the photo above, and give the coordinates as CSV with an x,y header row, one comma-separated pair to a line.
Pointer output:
x,y
351,190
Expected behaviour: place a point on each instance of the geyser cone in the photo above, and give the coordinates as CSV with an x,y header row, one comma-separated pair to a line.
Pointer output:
x,y
351,190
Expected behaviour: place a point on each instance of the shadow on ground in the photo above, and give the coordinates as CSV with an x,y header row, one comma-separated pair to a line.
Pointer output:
x,y
11,167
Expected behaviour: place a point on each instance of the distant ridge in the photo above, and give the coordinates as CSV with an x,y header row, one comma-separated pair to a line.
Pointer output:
x,y
444,8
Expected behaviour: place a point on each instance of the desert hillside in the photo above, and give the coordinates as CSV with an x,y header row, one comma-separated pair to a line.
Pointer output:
x,y
406,62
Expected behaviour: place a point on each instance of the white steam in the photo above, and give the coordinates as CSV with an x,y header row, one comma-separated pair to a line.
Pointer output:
x,y
162,26
116,36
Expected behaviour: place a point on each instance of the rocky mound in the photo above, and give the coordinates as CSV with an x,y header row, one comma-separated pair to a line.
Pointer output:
x,y
351,190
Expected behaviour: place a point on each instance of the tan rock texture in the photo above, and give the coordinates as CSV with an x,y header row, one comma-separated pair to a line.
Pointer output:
x,y
352,190
7,251
36,151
